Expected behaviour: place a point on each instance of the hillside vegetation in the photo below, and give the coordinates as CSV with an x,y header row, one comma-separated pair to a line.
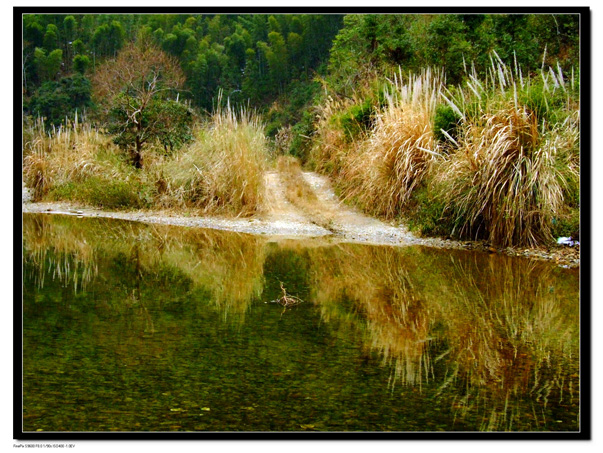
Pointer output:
x,y
463,126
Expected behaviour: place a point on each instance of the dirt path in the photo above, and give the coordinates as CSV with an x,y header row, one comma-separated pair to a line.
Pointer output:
x,y
327,213
278,208
328,218
351,223
280,217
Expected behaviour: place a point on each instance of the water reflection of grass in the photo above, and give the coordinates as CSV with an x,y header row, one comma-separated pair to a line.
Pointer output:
x,y
512,334
58,251
228,267
494,339
495,327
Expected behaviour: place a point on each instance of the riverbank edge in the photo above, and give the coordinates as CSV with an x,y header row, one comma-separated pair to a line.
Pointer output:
x,y
563,256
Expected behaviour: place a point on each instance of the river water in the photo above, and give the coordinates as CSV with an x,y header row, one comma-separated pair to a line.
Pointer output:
x,y
135,327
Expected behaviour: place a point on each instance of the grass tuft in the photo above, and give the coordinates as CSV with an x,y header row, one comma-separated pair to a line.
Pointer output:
x,y
223,170
496,158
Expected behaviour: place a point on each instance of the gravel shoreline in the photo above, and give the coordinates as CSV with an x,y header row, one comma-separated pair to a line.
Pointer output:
x,y
566,257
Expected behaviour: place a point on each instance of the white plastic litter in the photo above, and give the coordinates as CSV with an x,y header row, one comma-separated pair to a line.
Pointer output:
x,y
567,241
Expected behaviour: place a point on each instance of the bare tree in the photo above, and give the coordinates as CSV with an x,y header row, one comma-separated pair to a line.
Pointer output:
x,y
131,89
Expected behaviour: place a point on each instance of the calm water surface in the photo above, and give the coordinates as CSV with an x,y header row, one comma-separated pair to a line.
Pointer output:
x,y
133,327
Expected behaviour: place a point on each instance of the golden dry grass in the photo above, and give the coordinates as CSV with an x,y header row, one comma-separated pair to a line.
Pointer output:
x,y
509,175
223,170
397,156
503,182
380,170
68,154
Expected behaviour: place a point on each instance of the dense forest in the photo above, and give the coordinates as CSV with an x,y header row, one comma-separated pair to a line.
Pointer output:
x,y
257,59
252,59
319,85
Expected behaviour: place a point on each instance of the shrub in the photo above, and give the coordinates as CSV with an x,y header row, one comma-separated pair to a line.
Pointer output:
x,y
426,213
56,101
301,136
356,120
447,120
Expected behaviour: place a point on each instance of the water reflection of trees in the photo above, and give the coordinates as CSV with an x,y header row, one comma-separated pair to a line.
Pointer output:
x,y
496,328
223,269
493,336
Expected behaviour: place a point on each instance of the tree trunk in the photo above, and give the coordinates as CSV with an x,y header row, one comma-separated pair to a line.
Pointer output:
x,y
137,157
137,154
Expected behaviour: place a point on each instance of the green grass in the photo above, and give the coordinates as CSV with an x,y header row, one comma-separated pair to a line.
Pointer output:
x,y
108,194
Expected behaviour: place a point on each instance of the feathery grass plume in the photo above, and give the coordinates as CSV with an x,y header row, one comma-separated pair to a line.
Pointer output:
x,y
223,170
500,184
393,161
515,160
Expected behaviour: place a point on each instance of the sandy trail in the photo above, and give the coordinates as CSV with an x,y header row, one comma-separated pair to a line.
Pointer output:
x,y
328,219
349,222
280,217
278,208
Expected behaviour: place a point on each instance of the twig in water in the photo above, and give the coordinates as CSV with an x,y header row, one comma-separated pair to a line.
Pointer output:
x,y
286,300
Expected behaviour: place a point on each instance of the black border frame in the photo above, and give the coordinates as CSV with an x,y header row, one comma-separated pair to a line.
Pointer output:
x,y
585,233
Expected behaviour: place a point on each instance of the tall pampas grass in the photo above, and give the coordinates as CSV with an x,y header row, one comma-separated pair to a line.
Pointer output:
x,y
511,170
64,154
223,170
395,159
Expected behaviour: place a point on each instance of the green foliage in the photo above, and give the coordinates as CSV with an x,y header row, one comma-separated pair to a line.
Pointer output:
x,y
47,65
548,104
69,26
164,121
109,38
566,224
81,63
252,59
79,48
175,121
426,214
445,119
51,37
356,120
33,32
106,193
302,132
359,118
57,100
381,43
